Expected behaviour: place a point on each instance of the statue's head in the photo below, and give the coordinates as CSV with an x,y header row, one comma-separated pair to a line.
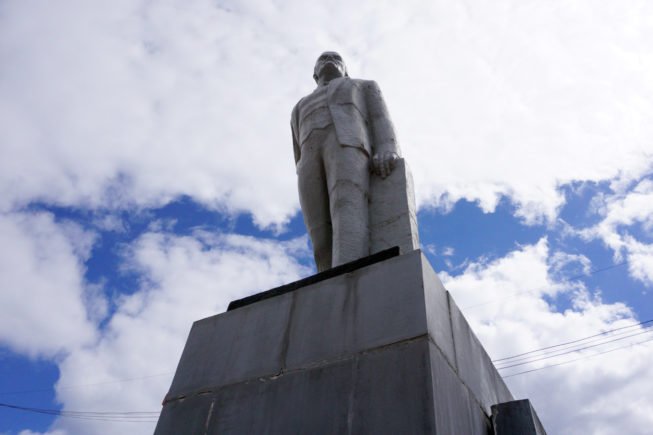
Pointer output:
x,y
330,62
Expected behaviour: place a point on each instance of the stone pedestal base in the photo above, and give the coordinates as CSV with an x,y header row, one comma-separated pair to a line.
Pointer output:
x,y
382,349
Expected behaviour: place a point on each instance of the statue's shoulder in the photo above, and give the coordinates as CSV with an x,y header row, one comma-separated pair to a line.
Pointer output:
x,y
302,100
299,102
365,85
295,109
358,82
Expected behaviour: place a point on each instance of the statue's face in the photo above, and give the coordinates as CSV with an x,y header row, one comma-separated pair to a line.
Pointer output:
x,y
330,62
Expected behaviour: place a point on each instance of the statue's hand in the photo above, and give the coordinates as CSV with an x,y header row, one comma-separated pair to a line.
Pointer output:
x,y
383,163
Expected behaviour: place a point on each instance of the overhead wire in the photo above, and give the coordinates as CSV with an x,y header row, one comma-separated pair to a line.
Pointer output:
x,y
578,359
566,352
573,346
115,416
609,331
597,341
70,387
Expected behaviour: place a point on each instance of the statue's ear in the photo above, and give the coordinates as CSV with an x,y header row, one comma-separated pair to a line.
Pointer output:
x,y
315,77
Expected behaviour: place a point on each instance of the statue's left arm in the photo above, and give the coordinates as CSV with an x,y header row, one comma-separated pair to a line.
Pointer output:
x,y
385,150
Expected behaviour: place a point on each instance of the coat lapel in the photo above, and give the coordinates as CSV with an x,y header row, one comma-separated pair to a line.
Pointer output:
x,y
333,86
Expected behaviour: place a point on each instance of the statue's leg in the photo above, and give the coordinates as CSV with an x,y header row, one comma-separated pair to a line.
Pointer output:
x,y
314,200
348,180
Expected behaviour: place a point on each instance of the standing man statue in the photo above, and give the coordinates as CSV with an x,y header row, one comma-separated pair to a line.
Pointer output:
x,y
343,142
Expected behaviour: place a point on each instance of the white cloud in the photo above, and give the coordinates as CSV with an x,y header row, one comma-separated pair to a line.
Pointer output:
x,y
448,251
624,212
445,251
624,209
640,260
41,275
561,261
138,102
110,222
517,98
577,398
184,278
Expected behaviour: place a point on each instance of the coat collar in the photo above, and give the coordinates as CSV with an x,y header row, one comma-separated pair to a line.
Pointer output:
x,y
335,84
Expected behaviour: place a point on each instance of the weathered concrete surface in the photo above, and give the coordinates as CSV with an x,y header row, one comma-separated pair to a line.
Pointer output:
x,y
392,217
233,347
474,365
438,318
382,349
456,409
516,418
382,391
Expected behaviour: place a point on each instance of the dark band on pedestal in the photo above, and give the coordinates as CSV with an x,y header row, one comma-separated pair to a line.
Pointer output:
x,y
330,273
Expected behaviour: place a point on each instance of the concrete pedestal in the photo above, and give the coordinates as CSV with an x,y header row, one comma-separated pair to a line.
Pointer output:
x,y
382,349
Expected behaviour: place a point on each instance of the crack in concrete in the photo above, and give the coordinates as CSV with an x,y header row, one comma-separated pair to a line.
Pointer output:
x,y
310,366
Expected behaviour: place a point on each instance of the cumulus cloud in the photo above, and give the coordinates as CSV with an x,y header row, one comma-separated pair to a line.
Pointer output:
x,y
184,278
135,102
509,305
523,100
640,260
627,214
43,291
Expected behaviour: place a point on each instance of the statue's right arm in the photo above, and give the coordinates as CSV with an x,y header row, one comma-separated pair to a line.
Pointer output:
x,y
295,141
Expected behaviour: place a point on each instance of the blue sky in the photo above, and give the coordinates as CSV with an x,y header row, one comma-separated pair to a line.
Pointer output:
x,y
147,179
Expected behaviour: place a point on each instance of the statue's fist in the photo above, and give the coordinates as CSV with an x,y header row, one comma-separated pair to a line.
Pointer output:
x,y
383,163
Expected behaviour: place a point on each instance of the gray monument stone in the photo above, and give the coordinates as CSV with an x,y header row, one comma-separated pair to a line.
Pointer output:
x,y
380,349
475,366
355,191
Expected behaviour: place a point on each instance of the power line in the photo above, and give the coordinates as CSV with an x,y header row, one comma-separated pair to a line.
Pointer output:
x,y
574,350
70,387
578,359
126,416
570,349
573,341
592,272
602,269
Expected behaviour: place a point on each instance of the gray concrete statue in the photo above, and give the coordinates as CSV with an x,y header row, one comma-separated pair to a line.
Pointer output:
x,y
354,189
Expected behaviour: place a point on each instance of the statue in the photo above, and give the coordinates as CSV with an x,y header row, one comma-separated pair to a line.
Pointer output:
x,y
345,149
